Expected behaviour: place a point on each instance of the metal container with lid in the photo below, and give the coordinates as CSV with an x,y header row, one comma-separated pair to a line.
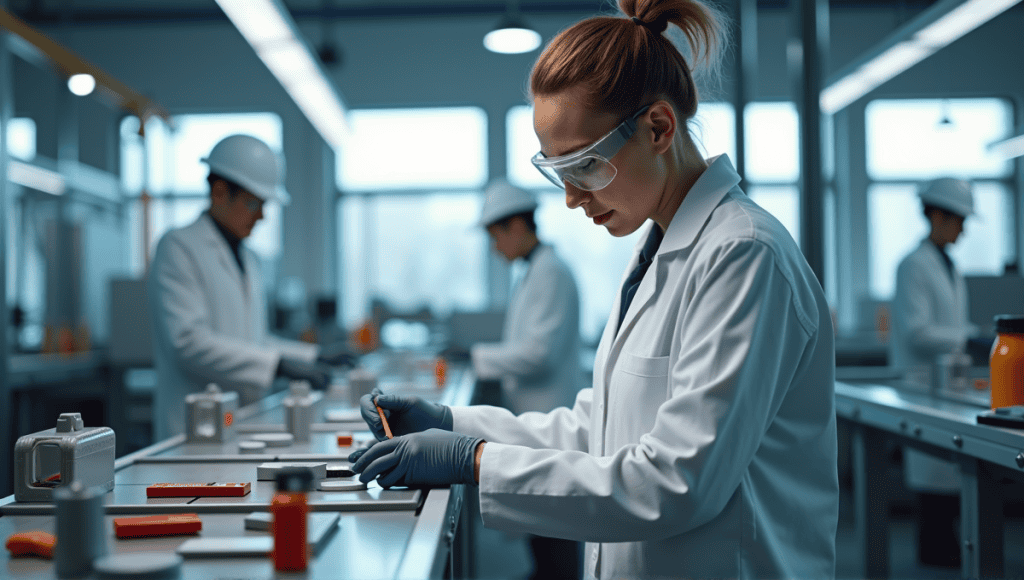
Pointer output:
x,y
1006,363
57,457
210,416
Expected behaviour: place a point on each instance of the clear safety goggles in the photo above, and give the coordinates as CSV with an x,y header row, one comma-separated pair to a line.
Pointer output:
x,y
589,168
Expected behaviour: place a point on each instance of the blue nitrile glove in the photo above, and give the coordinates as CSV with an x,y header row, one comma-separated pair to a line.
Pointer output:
x,y
337,355
433,457
318,375
406,414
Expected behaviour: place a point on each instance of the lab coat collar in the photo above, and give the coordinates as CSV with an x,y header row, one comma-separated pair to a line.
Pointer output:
x,y
704,196
716,181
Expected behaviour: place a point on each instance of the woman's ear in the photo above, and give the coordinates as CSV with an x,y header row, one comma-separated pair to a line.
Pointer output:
x,y
663,125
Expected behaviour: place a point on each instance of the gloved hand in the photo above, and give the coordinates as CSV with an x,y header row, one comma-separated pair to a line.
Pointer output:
x,y
318,375
433,457
337,355
455,353
406,414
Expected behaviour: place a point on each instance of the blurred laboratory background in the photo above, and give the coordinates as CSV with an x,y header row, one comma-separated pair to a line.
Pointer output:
x,y
394,115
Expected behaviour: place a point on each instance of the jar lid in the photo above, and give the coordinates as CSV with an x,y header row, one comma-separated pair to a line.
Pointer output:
x,y
1009,323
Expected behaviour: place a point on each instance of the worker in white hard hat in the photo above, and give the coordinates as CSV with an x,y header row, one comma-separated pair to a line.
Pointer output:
x,y
537,360
929,319
207,299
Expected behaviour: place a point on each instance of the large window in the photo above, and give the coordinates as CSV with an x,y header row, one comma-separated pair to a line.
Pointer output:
x,y
396,149
411,182
599,260
169,169
911,141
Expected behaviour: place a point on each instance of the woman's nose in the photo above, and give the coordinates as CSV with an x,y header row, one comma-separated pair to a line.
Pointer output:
x,y
574,196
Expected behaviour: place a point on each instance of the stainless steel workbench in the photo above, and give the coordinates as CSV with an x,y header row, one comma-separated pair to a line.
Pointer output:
x,y
944,425
408,534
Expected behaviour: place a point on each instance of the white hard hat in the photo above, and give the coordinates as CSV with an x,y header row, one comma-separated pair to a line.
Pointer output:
x,y
250,163
503,200
950,194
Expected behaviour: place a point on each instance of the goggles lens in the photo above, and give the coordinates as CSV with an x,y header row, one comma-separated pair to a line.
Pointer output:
x,y
589,173
589,169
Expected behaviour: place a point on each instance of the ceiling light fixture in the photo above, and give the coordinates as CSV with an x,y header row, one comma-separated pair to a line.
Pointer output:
x,y
81,84
933,30
1010,147
268,27
512,35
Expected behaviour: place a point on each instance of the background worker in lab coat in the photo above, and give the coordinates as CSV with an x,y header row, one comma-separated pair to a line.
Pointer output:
x,y
930,320
207,296
537,360
706,446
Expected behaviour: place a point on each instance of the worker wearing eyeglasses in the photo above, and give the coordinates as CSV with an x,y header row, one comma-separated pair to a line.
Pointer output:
x,y
207,299
706,445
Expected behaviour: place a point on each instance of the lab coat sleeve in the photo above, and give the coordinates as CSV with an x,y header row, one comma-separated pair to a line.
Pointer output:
x,y
562,428
293,349
546,311
203,353
737,346
923,334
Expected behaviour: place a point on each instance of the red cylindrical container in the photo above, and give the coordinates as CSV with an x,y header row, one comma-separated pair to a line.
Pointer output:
x,y
1006,364
290,511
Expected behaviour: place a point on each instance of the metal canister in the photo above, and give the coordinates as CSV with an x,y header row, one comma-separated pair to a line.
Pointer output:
x,y
81,537
298,410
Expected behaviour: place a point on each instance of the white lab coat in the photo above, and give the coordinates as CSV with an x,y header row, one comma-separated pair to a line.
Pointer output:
x,y
707,444
929,318
538,357
209,323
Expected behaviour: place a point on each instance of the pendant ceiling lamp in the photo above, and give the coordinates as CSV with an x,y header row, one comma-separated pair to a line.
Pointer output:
x,y
512,35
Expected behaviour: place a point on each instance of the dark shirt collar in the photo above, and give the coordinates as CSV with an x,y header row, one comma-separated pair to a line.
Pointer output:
x,y
651,245
533,252
234,242
945,258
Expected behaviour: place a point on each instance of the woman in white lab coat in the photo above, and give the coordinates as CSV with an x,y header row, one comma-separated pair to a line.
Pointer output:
x,y
706,446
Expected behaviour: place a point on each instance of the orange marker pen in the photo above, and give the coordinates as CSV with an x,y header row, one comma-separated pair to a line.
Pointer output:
x,y
384,420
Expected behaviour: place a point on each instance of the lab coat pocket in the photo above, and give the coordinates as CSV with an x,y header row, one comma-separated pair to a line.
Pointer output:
x,y
643,366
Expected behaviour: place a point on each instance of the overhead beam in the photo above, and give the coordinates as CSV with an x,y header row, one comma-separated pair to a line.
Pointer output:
x,y
69,63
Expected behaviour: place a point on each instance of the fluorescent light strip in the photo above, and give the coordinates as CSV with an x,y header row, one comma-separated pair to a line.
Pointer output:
x,y
903,55
268,28
35,177
961,20
1008,148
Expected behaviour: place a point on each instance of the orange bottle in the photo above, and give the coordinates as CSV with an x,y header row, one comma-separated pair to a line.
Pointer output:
x,y
290,511
1006,364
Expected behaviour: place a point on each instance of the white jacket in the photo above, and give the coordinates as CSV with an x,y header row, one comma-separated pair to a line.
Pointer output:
x,y
929,318
707,444
209,323
538,358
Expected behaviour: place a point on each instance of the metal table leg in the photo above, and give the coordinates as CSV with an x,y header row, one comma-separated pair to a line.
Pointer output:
x,y
871,500
981,516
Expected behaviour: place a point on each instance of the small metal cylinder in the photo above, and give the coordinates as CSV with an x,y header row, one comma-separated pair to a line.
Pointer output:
x,y
298,411
81,537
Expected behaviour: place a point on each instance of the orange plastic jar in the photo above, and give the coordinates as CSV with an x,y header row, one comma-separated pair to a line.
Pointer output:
x,y
290,509
1006,364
